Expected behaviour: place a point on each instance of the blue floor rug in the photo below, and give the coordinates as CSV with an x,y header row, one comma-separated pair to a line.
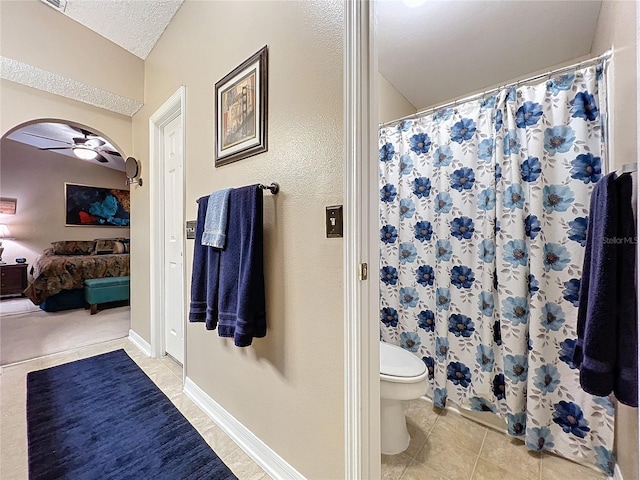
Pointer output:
x,y
103,418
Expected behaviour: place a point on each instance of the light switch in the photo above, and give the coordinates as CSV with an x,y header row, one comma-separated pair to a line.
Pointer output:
x,y
191,229
334,221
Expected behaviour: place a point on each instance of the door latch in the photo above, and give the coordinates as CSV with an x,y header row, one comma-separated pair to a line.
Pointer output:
x,y
363,271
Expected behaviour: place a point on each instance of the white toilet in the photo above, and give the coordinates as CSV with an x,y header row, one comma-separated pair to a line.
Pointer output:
x,y
403,376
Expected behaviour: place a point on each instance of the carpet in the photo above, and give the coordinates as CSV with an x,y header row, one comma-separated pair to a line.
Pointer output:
x,y
103,418
34,334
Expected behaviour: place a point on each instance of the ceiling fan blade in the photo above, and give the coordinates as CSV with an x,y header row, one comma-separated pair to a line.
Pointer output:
x,y
101,159
56,148
111,152
47,138
82,131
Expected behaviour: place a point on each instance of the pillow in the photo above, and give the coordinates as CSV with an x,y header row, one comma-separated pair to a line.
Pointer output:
x,y
73,247
106,246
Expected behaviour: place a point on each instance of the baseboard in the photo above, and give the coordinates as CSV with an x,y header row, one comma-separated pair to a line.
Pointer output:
x,y
270,461
140,342
617,474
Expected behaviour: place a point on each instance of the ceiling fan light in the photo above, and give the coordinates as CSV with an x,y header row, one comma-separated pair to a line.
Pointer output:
x,y
84,153
94,142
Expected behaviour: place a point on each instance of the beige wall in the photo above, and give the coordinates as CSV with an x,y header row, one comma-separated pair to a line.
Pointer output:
x,y
288,387
34,33
39,35
20,104
36,179
391,103
617,26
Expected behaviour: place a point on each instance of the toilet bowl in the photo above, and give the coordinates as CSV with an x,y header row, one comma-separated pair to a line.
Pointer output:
x,y
403,376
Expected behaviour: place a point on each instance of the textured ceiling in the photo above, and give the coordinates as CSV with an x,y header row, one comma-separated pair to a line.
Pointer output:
x,y
135,25
447,49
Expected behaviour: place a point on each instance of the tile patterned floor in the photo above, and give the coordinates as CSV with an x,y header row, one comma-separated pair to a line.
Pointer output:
x,y
446,446
164,372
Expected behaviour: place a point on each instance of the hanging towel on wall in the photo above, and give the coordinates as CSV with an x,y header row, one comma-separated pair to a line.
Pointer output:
x,y
625,385
199,273
215,223
606,307
241,304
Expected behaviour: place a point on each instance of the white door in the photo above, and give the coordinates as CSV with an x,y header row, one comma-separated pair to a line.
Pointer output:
x,y
173,295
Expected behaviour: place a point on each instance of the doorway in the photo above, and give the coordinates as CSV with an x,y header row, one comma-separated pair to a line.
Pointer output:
x,y
167,210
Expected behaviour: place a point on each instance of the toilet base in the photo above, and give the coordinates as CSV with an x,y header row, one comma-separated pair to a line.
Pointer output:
x,y
394,436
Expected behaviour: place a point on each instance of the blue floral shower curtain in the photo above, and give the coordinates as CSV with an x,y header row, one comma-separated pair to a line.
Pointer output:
x,y
483,215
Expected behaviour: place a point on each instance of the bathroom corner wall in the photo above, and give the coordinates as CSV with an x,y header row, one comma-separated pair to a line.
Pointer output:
x,y
617,29
391,103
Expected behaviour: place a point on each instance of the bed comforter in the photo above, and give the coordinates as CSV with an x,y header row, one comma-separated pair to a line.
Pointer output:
x,y
54,273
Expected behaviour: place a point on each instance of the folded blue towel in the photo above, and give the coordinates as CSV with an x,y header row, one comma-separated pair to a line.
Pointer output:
x,y
215,223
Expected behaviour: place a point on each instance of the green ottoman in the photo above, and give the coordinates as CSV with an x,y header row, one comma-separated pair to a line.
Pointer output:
x,y
104,290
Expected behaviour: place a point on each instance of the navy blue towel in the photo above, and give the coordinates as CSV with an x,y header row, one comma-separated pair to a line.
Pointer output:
x,y
241,297
595,351
198,305
204,275
625,385
606,350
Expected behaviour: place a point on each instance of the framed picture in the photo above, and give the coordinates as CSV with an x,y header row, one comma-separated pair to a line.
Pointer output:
x,y
96,206
241,111
8,205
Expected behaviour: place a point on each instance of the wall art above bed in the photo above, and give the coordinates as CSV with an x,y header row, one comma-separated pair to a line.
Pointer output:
x,y
96,206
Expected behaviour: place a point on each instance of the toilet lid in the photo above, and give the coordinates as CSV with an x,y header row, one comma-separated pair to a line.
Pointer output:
x,y
398,362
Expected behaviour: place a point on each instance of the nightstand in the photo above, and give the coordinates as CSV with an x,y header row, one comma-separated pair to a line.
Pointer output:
x,y
13,279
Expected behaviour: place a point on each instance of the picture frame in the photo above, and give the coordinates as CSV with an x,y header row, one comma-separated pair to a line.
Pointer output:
x,y
89,206
241,106
8,205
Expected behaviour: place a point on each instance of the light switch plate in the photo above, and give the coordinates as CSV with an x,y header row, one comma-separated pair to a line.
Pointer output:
x,y
334,221
191,229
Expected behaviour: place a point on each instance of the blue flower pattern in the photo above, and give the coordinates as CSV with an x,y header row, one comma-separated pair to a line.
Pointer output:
x,y
406,165
425,275
423,231
578,230
461,325
420,143
483,227
442,156
422,187
528,114
462,228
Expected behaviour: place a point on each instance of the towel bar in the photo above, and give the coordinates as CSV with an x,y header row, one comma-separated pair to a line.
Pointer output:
x,y
274,188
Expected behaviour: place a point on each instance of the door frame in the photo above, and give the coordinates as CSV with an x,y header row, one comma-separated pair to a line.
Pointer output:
x,y
174,106
361,332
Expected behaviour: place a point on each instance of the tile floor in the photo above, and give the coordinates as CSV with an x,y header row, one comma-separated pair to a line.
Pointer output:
x,y
447,446
164,372
444,445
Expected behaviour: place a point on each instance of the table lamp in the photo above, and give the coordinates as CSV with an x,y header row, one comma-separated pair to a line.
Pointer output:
x,y
4,234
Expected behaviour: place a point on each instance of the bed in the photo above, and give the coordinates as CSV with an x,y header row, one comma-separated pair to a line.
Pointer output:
x,y
59,273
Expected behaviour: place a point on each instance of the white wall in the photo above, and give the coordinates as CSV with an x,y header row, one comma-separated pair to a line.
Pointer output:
x,y
36,179
288,387
391,103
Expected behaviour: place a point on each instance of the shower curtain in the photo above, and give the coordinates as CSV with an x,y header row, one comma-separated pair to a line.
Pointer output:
x,y
483,216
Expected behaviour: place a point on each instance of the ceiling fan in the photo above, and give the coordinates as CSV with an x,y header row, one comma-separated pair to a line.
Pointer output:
x,y
87,147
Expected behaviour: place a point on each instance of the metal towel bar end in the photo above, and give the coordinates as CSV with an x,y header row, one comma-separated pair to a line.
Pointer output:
x,y
274,188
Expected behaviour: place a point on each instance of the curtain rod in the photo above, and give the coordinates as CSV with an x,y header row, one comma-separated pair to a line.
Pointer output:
x,y
605,56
